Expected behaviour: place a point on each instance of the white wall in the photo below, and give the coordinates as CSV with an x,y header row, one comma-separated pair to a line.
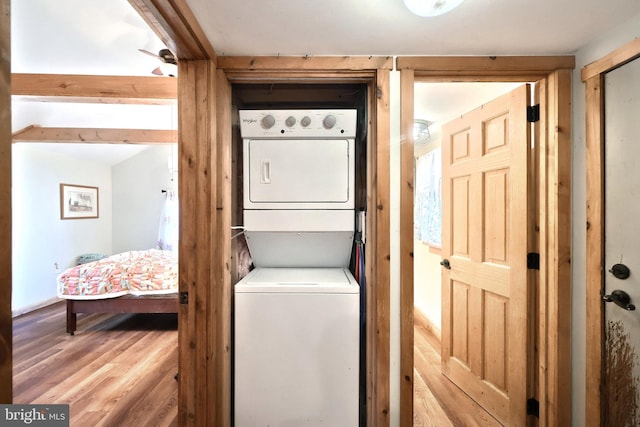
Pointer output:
x,y
130,200
427,272
137,208
592,51
40,237
427,283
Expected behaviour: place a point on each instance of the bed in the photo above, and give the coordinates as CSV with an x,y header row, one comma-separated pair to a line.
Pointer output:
x,y
129,282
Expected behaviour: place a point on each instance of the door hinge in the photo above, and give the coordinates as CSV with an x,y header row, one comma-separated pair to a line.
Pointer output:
x,y
533,261
533,113
184,297
533,407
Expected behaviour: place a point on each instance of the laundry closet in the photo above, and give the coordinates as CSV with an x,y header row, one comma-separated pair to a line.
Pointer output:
x,y
299,220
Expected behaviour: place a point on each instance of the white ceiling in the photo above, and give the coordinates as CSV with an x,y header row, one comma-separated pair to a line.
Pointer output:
x,y
84,37
103,37
386,27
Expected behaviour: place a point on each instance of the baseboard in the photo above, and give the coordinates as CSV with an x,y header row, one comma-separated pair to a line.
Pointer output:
x,y
419,319
34,307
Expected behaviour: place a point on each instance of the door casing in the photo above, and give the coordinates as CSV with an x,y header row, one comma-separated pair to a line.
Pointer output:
x,y
553,74
593,78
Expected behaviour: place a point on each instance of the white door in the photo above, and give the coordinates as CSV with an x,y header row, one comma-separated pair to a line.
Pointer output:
x,y
622,246
485,311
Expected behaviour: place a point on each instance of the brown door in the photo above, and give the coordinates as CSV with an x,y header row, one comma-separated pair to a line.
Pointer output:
x,y
484,248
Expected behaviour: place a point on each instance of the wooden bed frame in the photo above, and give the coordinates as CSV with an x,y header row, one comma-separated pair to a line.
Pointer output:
x,y
124,304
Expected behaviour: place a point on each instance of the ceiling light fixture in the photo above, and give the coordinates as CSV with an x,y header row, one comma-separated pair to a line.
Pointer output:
x,y
429,8
421,133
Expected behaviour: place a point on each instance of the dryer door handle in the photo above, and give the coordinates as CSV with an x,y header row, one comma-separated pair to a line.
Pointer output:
x,y
265,172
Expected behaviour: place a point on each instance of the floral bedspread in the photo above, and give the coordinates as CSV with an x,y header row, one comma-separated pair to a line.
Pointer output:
x,y
146,272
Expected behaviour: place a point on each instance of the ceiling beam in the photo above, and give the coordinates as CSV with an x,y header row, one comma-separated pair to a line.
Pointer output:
x,y
176,25
95,135
101,89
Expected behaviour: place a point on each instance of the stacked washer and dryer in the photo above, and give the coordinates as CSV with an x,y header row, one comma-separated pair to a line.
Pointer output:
x,y
297,313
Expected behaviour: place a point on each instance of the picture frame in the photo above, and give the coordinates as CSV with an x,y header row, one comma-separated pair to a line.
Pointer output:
x,y
78,202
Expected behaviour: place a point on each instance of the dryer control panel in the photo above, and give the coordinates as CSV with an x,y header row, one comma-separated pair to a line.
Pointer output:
x,y
298,123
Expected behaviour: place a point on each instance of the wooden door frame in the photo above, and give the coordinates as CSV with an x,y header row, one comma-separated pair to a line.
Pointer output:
x,y
593,78
375,73
205,143
6,333
552,219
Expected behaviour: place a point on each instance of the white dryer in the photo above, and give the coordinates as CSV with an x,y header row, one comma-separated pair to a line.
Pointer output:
x,y
297,315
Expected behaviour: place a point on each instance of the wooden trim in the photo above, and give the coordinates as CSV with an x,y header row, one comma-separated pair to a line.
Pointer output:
x,y
556,249
594,117
378,256
176,25
6,333
407,161
104,89
301,64
220,381
593,77
95,135
198,237
328,76
615,59
538,279
555,388
513,67
380,265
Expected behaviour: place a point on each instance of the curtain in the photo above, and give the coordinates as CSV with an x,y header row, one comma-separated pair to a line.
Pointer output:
x,y
169,224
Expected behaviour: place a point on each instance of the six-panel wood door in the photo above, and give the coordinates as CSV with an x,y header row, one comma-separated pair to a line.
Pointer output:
x,y
484,250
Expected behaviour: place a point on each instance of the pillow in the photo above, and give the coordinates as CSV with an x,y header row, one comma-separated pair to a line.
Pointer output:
x,y
85,258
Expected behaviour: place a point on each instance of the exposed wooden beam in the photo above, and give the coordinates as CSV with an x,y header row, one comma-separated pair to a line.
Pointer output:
x,y
176,25
105,89
95,135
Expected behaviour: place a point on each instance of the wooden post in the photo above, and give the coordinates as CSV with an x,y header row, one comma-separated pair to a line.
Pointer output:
x,y
6,357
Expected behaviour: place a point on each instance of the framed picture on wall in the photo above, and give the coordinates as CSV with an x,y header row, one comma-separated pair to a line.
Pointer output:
x,y
78,201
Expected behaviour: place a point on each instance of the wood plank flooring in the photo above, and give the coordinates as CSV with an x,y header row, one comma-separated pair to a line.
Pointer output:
x,y
437,402
117,370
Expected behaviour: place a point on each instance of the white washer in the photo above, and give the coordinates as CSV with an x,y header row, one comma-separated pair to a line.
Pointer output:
x,y
297,315
297,348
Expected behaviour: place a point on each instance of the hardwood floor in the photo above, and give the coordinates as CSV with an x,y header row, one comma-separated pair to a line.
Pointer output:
x,y
437,402
117,370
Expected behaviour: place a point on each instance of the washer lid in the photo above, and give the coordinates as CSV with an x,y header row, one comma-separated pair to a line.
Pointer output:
x,y
299,280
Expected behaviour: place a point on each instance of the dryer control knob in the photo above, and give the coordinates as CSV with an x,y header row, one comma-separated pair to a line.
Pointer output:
x,y
329,121
290,121
268,121
305,121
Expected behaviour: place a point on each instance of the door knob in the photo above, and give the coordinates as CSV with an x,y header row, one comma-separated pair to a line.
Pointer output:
x,y
445,263
621,299
620,271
